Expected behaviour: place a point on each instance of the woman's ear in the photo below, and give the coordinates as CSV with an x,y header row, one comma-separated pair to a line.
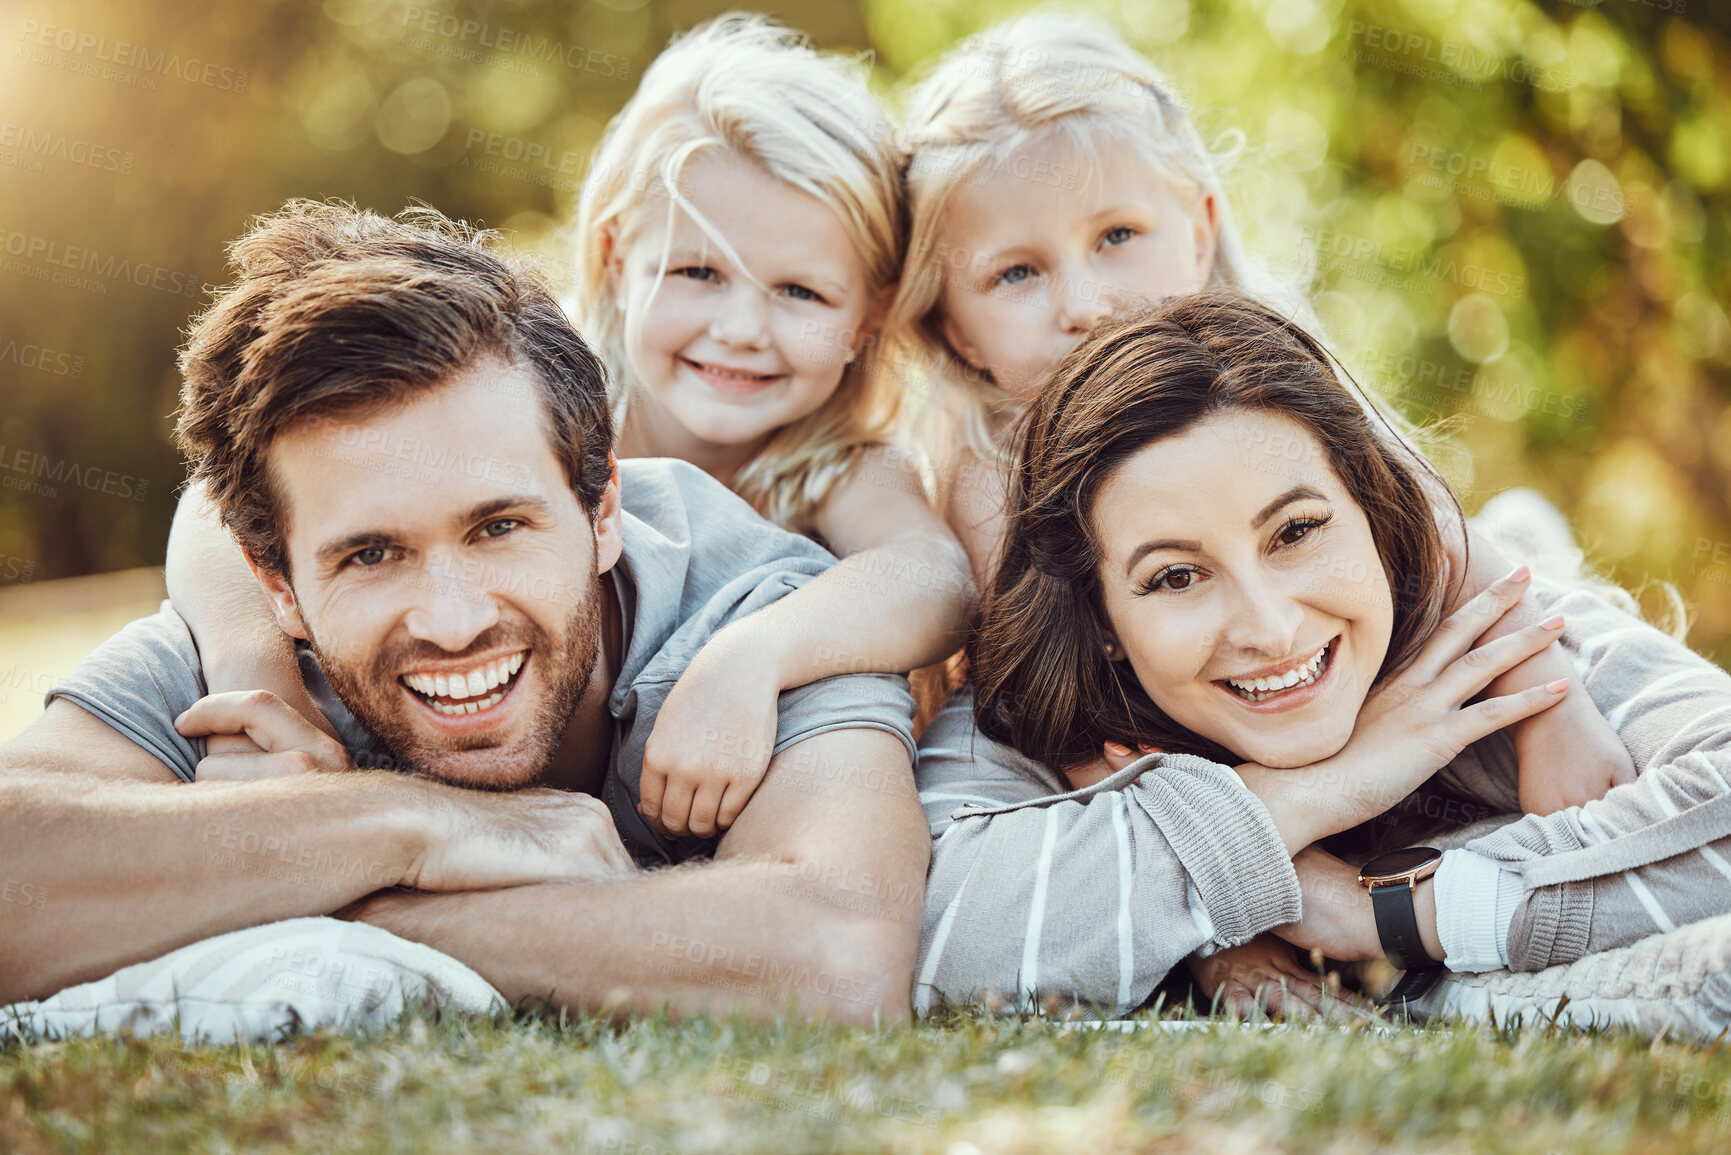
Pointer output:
x,y
1109,643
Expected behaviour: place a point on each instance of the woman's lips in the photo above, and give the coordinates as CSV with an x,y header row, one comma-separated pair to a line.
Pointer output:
x,y
726,379
1291,698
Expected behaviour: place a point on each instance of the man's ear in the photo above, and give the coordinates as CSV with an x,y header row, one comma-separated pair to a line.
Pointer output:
x,y
609,522
282,599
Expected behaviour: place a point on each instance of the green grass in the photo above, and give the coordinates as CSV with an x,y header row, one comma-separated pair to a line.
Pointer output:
x,y
964,1085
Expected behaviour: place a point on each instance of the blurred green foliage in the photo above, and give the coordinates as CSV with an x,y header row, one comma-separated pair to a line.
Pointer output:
x,y
1515,215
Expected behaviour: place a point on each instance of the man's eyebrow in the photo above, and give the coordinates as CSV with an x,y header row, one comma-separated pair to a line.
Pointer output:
x,y
335,551
1186,545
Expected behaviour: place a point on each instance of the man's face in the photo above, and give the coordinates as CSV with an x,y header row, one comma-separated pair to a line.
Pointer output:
x,y
446,575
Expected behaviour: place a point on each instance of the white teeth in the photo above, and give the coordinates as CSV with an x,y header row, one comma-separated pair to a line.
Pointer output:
x,y
516,662
440,686
475,683
493,676
1304,674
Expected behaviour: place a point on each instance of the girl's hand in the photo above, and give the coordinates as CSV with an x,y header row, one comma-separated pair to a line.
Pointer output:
x,y
1270,969
1568,756
1416,723
254,734
711,742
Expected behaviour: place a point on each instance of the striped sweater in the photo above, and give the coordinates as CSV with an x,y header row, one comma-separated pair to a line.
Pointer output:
x,y
1037,894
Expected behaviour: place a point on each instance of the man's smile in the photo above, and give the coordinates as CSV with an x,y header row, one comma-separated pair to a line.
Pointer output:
x,y
473,689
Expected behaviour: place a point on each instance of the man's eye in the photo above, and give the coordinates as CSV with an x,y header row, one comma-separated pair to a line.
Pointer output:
x,y
371,556
1118,235
501,526
1015,274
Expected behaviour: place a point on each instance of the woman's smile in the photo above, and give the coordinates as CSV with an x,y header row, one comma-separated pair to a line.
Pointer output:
x,y
1288,688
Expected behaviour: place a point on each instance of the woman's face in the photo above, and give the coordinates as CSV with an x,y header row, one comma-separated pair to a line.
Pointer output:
x,y
1038,251
1243,586
728,351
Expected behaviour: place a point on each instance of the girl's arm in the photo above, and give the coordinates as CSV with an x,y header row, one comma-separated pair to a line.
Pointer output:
x,y
239,644
898,600
973,503
1568,755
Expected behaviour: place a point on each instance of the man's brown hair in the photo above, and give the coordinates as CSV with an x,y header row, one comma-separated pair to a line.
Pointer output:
x,y
1043,682
338,310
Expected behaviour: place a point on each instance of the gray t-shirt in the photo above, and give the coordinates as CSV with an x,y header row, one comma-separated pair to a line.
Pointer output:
x,y
696,558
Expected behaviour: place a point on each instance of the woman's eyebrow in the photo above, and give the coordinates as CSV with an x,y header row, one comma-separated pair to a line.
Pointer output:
x,y
1148,547
1296,493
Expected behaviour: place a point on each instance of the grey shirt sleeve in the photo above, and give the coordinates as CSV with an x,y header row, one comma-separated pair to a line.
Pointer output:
x,y
139,681
1672,709
1038,894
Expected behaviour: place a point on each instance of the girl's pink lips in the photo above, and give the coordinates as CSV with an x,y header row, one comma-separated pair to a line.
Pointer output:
x,y
1293,699
729,380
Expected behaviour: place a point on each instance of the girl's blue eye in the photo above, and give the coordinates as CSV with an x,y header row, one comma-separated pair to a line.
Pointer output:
x,y
1015,275
696,273
801,293
1118,235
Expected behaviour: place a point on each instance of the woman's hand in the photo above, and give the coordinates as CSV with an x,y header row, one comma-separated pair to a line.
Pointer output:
x,y
711,742
1269,968
1414,724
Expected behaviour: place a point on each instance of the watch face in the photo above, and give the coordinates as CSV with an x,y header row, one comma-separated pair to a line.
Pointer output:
x,y
1400,861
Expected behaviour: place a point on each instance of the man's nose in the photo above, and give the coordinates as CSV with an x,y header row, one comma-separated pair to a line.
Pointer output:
x,y
451,608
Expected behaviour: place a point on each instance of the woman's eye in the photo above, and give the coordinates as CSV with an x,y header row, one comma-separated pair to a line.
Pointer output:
x,y
1295,530
1174,578
1118,235
501,527
1015,274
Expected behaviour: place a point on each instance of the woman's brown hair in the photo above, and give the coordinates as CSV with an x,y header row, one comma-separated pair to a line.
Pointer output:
x,y
1043,683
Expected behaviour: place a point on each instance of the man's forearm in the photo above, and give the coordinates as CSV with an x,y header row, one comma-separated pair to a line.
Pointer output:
x,y
123,872
723,937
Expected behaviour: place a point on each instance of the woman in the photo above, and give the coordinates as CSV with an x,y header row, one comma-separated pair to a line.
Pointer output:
x,y
1212,553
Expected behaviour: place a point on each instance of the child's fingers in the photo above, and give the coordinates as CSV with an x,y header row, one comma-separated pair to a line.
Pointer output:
x,y
676,806
704,805
651,791
733,803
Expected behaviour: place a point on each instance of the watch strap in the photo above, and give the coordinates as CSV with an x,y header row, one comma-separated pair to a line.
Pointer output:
x,y
1397,927
1413,985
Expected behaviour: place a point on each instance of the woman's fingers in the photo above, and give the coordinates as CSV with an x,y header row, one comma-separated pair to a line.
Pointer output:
x,y
1479,668
1456,635
1485,718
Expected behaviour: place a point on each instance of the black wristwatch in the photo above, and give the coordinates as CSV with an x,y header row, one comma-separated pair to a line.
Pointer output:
x,y
1390,878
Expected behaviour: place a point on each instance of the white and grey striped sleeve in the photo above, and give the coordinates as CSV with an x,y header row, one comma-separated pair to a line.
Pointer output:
x,y
1651,855
1093,895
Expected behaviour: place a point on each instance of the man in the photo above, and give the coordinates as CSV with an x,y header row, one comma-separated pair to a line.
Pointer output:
x,y
412,446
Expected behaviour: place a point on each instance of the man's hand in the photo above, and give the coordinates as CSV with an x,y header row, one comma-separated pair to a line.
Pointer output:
x,y
255,734
484,840
711,743
1269,968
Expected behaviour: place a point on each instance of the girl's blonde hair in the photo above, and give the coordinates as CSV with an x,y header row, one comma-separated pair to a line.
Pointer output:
x,y
1028,80
745,84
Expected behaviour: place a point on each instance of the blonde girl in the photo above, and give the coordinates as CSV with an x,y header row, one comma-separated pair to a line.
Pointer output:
x,y
739,235
1054,177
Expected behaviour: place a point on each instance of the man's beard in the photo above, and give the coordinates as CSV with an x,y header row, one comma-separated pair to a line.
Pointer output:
x,y
379,702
